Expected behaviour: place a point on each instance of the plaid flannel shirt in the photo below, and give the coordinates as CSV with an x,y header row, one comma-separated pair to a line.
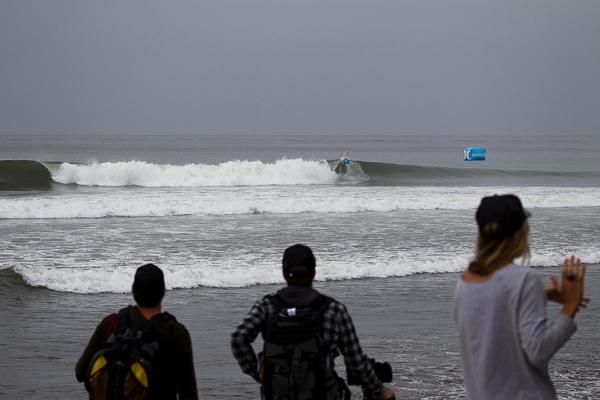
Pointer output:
x,y
338,332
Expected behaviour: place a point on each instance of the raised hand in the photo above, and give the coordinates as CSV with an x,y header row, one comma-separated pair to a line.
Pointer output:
x,y
553,293
572,286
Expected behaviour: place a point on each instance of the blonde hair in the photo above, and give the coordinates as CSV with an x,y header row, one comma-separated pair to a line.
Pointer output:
x,y
493,254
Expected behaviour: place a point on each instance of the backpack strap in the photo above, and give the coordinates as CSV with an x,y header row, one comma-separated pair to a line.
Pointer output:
x,y
320,303
111,324
160,319
117,322
124,320
276,301
121,321
154,334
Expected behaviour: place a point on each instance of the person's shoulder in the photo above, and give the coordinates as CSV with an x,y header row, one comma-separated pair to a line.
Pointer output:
x,y
108,317
179,329
520,271
268,296
522,277
175,329
108,323
170,322
115,313
526,272
266,300
333,304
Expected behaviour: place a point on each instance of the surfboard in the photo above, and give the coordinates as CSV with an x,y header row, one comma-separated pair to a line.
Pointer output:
x,y
342,165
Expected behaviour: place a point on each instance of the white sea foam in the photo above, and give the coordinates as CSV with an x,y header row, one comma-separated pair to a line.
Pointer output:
x,y
230,173
550,257
278,200
229,272
232,272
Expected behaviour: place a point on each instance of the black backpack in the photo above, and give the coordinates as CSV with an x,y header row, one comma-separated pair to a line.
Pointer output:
x,y
123,368
296,364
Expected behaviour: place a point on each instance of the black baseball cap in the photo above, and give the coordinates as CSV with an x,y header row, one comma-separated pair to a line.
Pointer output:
x,y
148,285
505,210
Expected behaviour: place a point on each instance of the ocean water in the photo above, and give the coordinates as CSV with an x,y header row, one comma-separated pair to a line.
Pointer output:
x,y
78,215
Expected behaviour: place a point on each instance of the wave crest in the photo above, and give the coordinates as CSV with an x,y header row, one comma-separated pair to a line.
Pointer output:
x,y
230,272
230,173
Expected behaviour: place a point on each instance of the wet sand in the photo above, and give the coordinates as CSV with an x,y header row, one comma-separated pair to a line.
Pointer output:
x,y
407,321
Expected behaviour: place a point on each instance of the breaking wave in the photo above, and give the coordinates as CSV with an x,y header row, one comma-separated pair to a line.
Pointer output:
x,y
231,272
279,200
303,172
230,173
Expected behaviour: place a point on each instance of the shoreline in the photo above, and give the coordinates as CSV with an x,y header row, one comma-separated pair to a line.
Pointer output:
x,y
407,321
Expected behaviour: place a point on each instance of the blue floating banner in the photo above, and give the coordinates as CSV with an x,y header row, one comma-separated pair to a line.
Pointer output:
x,y
475,153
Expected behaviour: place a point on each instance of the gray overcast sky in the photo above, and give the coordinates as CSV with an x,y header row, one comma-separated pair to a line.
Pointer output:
x,y
301,66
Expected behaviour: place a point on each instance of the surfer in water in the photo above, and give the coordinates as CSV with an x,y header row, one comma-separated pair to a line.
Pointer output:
x,y
342,165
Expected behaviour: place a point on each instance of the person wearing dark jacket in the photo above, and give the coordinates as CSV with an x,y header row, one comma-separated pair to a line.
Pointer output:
x,y
174,366
338,330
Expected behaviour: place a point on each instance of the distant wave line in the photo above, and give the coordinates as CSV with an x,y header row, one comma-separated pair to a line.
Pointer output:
x,y
35,175
167,202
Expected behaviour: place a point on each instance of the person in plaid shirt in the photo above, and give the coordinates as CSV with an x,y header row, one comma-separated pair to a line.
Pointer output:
x,y
338,330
